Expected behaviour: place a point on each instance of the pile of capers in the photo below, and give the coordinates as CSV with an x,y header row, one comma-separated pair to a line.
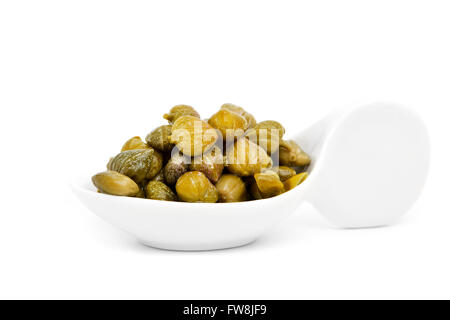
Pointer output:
x,y
228,158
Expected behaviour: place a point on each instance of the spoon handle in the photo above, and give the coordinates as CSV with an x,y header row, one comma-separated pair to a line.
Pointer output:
x,y
369,164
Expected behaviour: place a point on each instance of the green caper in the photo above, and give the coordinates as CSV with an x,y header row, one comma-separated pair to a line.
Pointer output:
x,y
157,190
134,143
292,155
193,136
269,184
231,188
246,158
115,183
180,111
194,186
230,124
267,134
159,138
294,181
251,122
284,172
175,168
139,164
211,164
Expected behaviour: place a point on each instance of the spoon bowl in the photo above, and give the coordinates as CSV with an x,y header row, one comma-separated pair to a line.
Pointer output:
x,y
189,226
368,167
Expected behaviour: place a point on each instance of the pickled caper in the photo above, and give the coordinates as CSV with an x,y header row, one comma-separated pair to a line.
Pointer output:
x,y
193,136
180,111
292,155
251,122
269,184
246,158
159,138
157,190
267,134
231,124
291,183
231,188
134,143
175,168
194,186
139,164
211,164
115,183
284,172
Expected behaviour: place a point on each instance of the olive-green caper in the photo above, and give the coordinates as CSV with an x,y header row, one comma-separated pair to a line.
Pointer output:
x,y
246,158
175,168
193,136
211,164
194,186
269,184
251,122
231,124
159,138
292,155
157,190
267,134
294,181
138,164
231,188
115,183
134,143
284,172
180,111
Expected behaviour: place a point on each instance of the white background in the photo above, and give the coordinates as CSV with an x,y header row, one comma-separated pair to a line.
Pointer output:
x,y
78,78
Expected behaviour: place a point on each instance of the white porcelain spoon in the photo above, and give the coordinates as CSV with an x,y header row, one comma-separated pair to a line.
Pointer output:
x,y
369,165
